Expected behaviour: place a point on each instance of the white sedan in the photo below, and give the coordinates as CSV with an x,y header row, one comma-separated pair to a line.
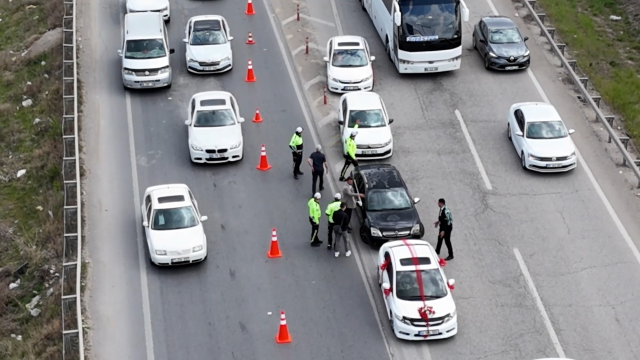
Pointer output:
x,y
349,65
365,113
215,130
540,138
208,44
399,263
173,225
161,6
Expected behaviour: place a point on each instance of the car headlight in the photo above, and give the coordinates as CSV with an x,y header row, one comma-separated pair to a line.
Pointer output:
x,y
492,54
367,78
164,9
196,147
164,70
533,157
401,319
333,79
197,248
573,154
127,72
226,58
236,145
375,232
449,317
415,230
526,53
189,59
161,252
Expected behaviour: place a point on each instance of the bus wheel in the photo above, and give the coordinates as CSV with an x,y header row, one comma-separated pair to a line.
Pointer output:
x,y
362,3
389,51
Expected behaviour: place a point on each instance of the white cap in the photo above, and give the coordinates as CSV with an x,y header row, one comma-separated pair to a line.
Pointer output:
x,y
298,129
337,196
317,195
354,133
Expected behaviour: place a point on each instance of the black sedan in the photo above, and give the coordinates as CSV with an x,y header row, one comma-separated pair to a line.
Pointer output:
x,y
500,44
387,211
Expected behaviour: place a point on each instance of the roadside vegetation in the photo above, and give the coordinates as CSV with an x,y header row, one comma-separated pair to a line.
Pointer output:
x,y
604,36
31,193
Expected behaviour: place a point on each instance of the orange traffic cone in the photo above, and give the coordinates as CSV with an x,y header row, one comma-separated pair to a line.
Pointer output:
x,y
274,251
283,336
250,76
250,8
250,40
257,118
264,163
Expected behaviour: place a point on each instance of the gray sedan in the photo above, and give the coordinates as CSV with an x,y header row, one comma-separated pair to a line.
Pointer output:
x,y
500,44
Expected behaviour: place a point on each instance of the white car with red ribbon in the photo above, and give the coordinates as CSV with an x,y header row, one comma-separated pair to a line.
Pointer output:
x,y
416,291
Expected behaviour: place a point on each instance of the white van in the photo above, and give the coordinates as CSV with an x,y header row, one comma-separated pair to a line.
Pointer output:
x,y
145,52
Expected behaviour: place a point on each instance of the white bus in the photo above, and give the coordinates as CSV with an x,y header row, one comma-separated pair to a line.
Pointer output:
x,y
420,35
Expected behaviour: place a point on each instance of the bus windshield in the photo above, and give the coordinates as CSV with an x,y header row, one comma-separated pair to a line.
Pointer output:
x,y
432,22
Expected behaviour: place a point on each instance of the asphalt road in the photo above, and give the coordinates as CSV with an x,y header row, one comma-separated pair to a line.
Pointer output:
x,y
583,270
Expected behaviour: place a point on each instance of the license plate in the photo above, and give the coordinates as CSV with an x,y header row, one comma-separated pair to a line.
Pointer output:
x,y
215,156
179,260
148,84
351,88
369,152
209,68
554,165
431,69
511,68
428,332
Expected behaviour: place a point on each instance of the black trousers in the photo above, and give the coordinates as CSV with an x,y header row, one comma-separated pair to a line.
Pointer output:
x,y
315,241
330,234
297,160
347,162
315,174
348,211
447,241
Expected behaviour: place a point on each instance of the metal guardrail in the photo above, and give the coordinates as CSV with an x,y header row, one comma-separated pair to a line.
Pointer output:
x,y
72,330
622,142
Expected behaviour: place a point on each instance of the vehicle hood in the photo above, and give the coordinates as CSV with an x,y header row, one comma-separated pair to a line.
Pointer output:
x,y
409,309
143,64
209,53
551,147
147,5
215,137
395,219
173,240
350,73
506,50
369,136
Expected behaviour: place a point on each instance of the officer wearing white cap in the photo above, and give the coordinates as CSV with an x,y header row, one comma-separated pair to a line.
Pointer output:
x,y
350,154
314,218
331,208
296,150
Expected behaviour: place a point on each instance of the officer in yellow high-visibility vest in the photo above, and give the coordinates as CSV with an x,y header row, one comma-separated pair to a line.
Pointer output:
x,y
331,208
350,154
296,150
314,218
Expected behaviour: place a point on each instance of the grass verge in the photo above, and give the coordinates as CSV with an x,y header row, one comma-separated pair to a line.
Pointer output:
x,y
607,50
30,205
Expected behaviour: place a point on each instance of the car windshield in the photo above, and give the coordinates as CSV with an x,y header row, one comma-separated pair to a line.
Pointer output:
x,y
366,118
349,58
505,36
388,199
429,20
207,37
145,49
546,130
174,219
407,287
214,118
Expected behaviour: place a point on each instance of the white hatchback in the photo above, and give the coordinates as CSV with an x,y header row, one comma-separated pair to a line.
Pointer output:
x,y
208,44
399,263
365,113
349,64
173,225
215,130
540,137
161,6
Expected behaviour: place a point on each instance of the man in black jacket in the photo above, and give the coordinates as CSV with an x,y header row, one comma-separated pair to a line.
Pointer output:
x,y
445,221
341,224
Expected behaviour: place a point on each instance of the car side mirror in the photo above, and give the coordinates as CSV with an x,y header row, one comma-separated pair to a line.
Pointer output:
x,y
171,51
241,120
204,218
386,286
416,200
341,122
397,19
482,41
390,121
325,59
373,58
571,131
230,38
145,224
526,38
119,52
187,122
185,40
450,284
519,133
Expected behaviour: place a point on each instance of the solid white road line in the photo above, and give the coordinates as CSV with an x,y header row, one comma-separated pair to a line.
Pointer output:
x,y
538,300
328,119
474,152
313,81
583,164
314,136
303,16
311,46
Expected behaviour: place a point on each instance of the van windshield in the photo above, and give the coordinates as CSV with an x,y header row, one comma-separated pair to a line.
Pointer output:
x,y
145,49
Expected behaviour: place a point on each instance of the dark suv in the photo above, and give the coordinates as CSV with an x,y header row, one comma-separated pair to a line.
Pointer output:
x,y
387,212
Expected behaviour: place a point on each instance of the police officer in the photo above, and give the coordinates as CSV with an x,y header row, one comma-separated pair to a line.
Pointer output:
x,y
445,221
314,218
331,208
350,156
296,150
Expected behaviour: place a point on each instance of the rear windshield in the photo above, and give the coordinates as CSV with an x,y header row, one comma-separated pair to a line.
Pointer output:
x,y
145,49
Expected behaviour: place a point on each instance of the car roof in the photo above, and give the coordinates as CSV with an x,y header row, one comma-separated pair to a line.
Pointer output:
x,y
539,111
206,17
212,95
348,42
169,190
381,176
419,249
142,25
498,22
362,100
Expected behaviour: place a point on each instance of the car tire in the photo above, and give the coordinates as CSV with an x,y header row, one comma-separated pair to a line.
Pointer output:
x,y
389,50
363,235
475,45
362,4
523,160
168,20
393,329
169,86
486,62
509,131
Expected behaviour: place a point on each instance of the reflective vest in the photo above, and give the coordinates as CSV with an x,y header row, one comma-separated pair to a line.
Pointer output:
x,y
331,208
314,210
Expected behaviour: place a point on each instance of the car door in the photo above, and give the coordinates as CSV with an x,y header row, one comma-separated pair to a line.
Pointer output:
x,y
144,207
329,54
187,32
484,32
518,141
195,203
360,187
227,31
342,115
148,213
388,276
